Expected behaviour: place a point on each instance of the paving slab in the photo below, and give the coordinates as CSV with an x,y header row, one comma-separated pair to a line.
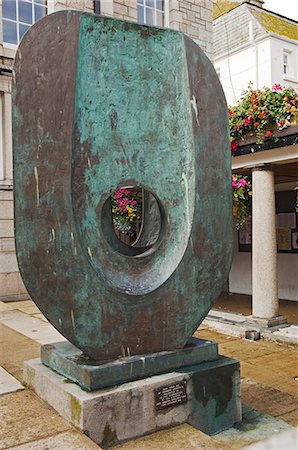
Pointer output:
x,y
182,437
287,440
15,305
8,383
254,427
29,326
270,401
25,418
70,440
16,349
212,335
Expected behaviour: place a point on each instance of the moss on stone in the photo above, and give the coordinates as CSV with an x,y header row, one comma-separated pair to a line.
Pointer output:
x,y
222,7
275,24
75,410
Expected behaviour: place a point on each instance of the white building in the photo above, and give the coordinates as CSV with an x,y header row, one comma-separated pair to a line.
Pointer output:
x,y
252,44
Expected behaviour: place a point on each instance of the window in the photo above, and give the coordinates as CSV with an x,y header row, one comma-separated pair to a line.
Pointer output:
x,y
18,16
285,63
153,12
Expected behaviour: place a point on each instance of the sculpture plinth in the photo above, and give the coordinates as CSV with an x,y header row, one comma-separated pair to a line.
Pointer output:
x,y
111,104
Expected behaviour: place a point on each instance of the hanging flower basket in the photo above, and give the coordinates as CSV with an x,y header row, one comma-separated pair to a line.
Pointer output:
x,y
241,199
262,113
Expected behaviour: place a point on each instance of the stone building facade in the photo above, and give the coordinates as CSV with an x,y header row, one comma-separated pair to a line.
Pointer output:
x,y
193,17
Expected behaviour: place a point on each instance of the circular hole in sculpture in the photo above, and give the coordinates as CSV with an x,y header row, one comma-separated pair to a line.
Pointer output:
x,y
135,222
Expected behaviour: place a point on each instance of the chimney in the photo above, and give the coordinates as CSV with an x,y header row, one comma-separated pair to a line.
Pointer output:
x,y
255,2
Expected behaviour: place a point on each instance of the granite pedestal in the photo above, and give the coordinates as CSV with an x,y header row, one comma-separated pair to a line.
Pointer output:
x,y
205,395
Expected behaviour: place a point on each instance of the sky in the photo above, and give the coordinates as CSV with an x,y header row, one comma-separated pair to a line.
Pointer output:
x,y
288,8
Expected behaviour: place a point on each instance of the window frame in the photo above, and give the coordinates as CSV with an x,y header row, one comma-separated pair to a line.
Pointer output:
x,y
164,11
18,22
285,62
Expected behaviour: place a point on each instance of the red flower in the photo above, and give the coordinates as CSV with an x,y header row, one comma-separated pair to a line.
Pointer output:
x,y
256,124
268,134
234,146
247,121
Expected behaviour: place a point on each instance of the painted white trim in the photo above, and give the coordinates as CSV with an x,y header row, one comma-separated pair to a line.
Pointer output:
x,y
154,9
281,155
166,13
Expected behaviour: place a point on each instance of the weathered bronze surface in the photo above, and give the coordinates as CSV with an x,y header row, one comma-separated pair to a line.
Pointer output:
x,y
100,103
91,375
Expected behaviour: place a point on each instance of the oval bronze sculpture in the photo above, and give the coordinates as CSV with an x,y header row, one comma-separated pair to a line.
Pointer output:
x,y
100,103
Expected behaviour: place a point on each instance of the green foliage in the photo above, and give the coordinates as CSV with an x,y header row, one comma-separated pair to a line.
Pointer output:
x,y
241,193
261,109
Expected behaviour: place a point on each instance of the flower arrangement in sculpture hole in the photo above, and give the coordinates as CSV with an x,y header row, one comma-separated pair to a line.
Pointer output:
x,y
126,210
241,193
260,111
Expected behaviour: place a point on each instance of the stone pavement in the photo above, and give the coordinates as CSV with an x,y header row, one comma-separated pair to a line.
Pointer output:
x,y
269,393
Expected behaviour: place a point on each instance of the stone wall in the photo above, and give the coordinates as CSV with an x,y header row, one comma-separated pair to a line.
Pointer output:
x,y
194,18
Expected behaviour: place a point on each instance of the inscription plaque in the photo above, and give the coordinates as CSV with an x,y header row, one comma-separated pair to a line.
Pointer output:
x,y
171,395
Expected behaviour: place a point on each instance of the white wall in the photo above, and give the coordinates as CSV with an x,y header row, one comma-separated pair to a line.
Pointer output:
x,y
259,62
251,63
278,47
240,280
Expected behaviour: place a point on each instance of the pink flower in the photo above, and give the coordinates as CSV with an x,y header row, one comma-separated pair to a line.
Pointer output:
x,y
256,124
247,121
231,114
234,184
277,87
268,134
243,182
234,146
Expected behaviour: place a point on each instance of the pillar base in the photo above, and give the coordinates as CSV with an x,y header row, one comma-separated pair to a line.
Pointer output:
x,y
267,323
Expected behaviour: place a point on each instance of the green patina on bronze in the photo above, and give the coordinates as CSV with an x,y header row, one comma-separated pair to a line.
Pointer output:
x,y
110,103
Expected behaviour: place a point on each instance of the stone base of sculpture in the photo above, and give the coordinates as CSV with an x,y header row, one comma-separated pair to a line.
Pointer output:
x,y
205,395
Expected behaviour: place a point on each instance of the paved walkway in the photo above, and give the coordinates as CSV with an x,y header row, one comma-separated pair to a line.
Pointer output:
x,y
269,393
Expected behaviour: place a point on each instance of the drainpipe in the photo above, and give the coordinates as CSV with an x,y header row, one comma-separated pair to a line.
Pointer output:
x,y
96,6
255,50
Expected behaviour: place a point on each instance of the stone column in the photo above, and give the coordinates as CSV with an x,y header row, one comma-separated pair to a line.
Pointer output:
x,y
265,302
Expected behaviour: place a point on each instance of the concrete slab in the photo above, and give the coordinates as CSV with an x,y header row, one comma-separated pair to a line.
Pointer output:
x,y
110,416
17,349
270,401
42,332
253,428
5,306
286,440
70,440
182,437
229,317
288,334
24,418
8,383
